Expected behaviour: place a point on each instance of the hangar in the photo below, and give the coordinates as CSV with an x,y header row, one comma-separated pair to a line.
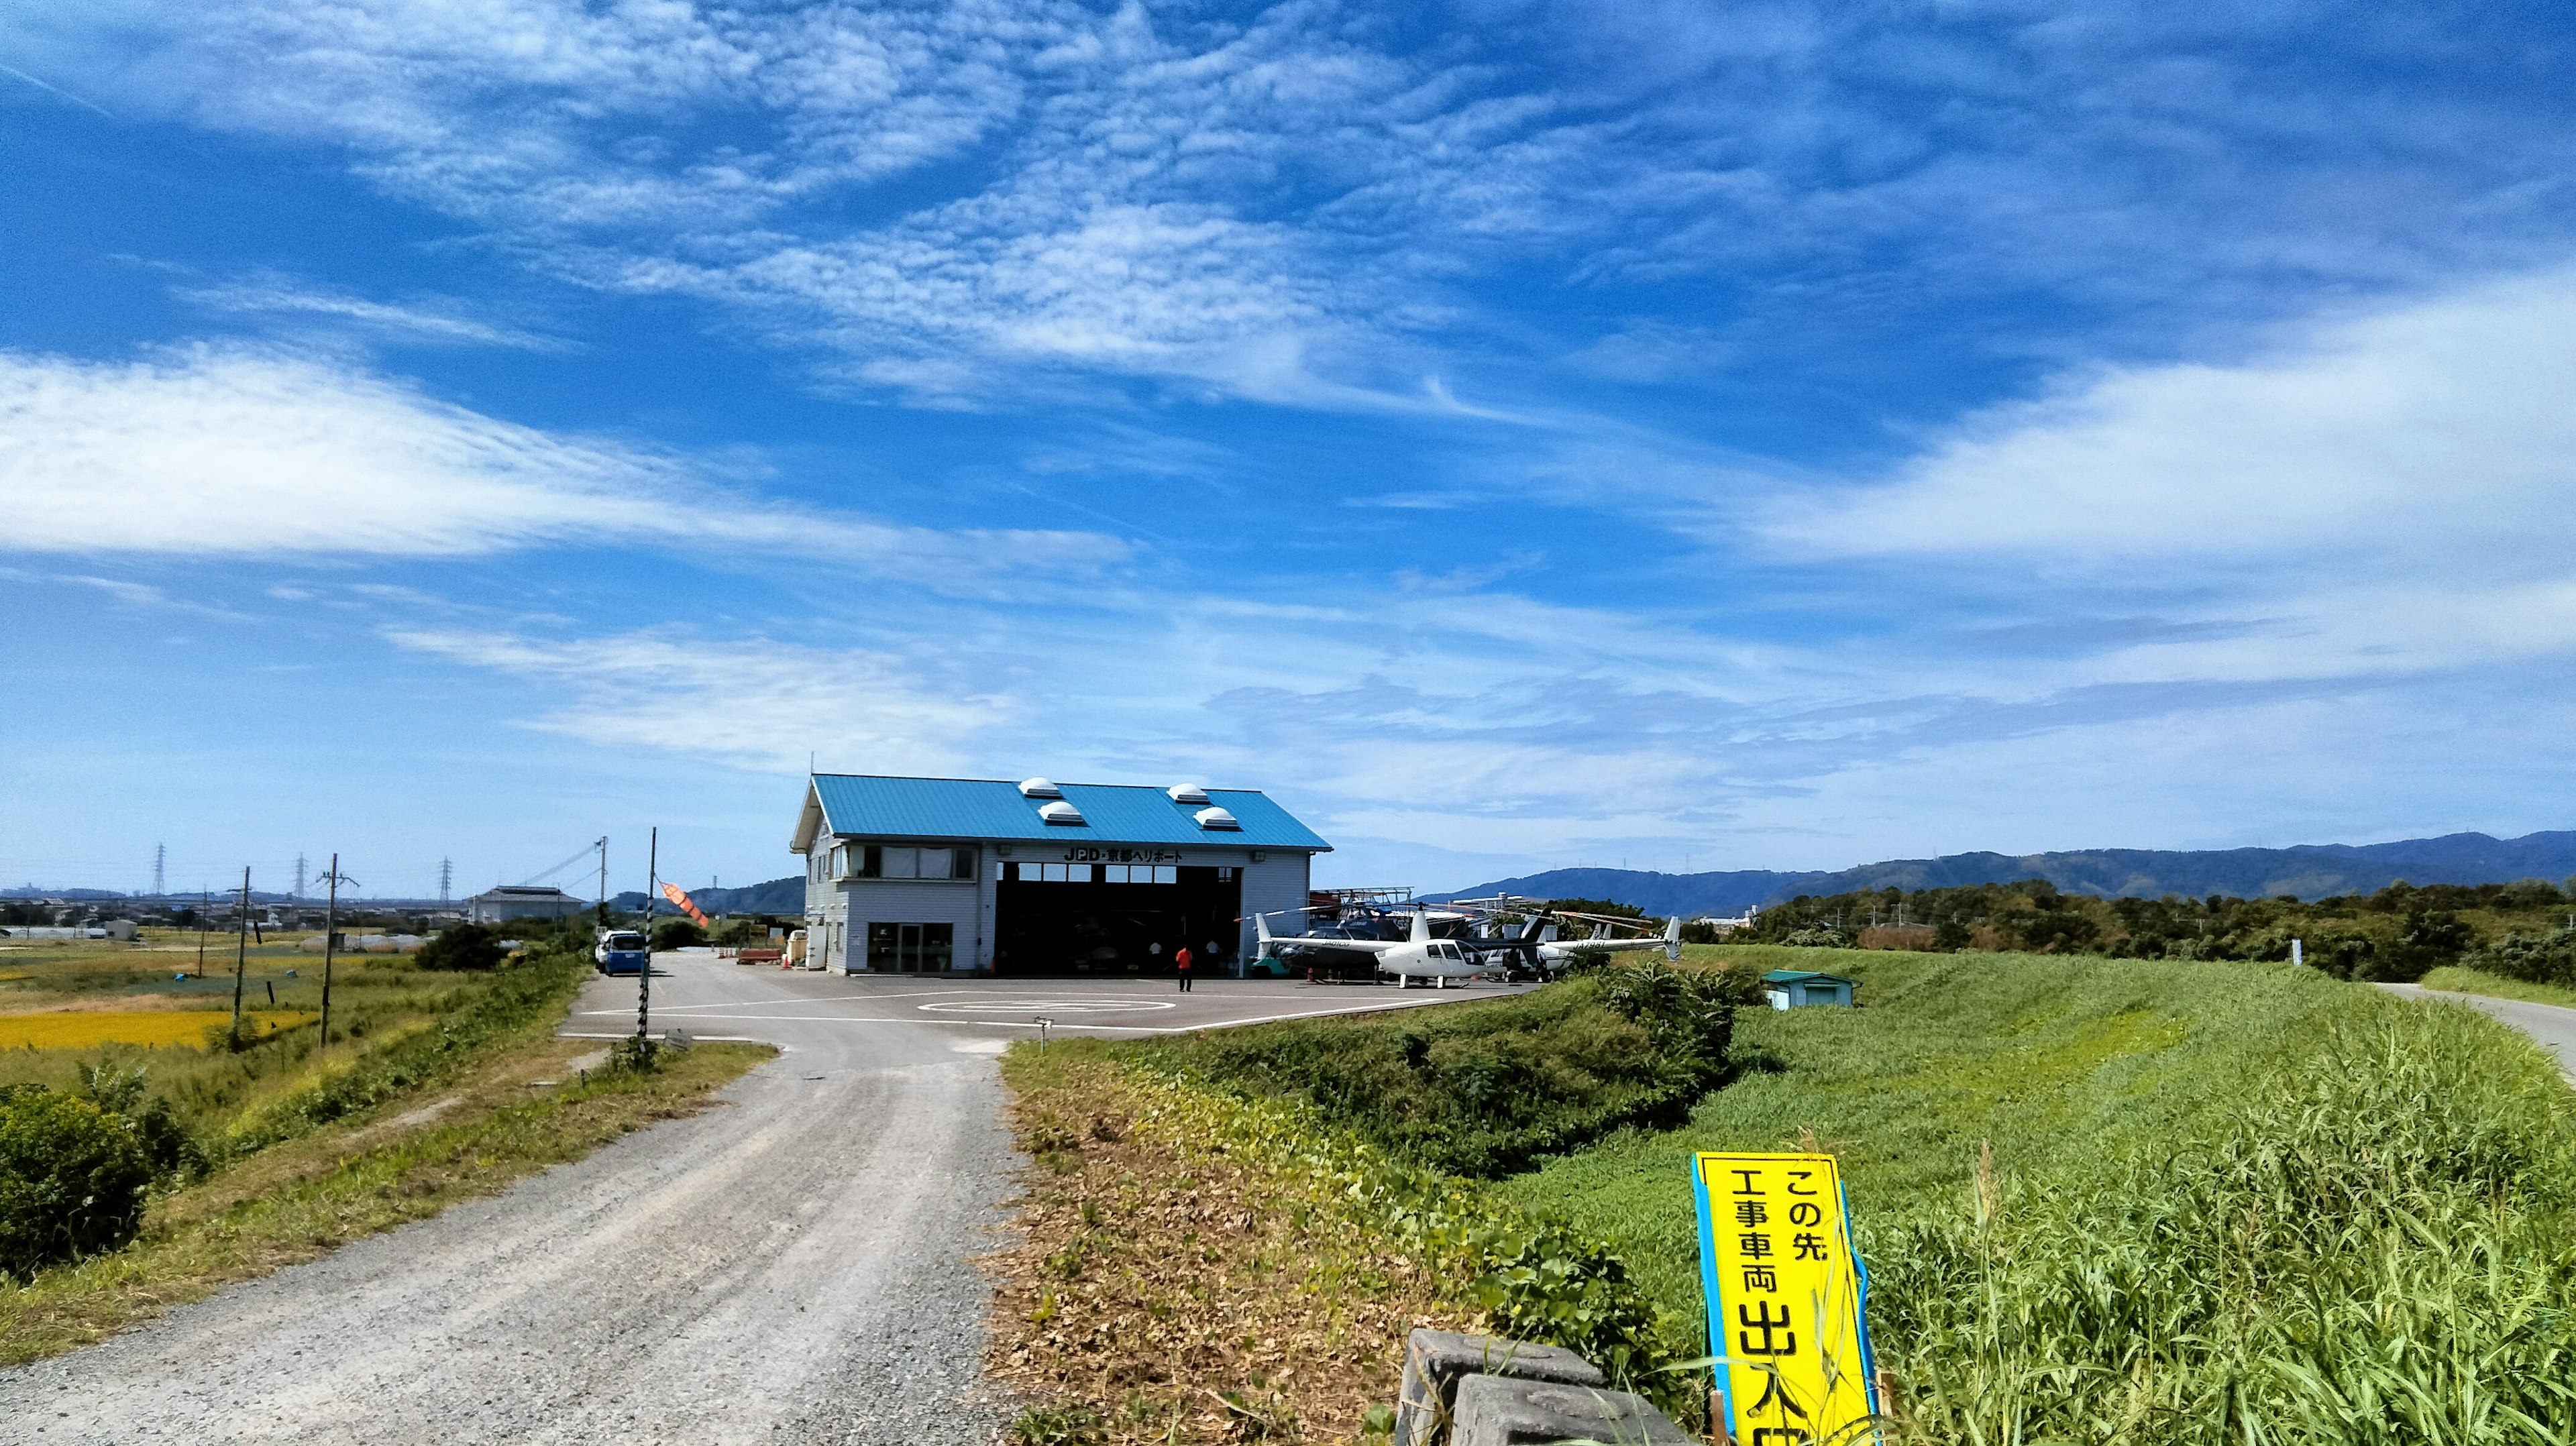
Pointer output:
x,y
984,876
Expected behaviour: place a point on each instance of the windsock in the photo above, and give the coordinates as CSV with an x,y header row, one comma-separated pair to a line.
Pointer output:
x,y
689,906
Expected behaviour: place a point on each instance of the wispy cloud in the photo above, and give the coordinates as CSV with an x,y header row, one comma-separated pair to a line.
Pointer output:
x,y
1302,206
230,451
439,321
748,701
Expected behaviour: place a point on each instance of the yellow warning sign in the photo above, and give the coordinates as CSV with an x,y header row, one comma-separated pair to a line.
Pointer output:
x,y
1786,1294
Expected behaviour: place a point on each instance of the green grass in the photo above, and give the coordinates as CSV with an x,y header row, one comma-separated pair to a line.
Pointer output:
x,y
1484,1090
2150,1201
339,1183
2478,981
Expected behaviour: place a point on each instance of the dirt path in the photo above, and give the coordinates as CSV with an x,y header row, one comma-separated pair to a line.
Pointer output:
x,y
789,1267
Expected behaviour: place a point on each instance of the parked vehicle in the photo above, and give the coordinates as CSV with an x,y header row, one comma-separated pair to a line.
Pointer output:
x,y
621,951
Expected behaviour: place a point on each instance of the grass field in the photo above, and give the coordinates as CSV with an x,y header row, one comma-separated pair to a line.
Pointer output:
x,y
313,1194
2127,1201
307,1146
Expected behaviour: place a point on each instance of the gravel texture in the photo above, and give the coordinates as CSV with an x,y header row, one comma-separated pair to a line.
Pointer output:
x,y
790,1266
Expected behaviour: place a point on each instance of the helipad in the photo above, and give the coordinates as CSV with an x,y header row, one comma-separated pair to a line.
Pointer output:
x,y
1058,1006
717,999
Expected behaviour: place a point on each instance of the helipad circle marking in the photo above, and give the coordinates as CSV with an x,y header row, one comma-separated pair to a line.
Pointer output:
x,y
1059,1006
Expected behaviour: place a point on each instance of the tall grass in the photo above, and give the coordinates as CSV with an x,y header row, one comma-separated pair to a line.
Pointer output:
x,y
2116,1201
2377,1248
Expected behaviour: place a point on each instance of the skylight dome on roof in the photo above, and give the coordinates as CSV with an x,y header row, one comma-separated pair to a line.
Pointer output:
x,y
1039,788
1063,813
1216,818
1186,793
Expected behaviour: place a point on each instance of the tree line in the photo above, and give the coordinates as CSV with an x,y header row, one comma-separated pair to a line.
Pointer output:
x,y
2524,930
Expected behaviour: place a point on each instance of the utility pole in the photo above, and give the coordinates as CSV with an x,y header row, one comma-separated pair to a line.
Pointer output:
x,y
603,890
330,946
241,955
205,925
644,976
160,856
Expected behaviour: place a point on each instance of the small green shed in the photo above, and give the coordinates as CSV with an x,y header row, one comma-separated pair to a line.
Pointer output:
x,y
1789,988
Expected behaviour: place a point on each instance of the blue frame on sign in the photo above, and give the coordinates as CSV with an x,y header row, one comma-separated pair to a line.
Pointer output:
x,y
1709,1297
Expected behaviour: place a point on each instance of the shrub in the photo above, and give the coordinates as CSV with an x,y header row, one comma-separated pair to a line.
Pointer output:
x,y
462,946
1818,936
678,934
2545,959
173,1154
1485,1089
72,1179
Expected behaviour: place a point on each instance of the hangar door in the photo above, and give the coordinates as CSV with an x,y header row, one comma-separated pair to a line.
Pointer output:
x,y
1113,918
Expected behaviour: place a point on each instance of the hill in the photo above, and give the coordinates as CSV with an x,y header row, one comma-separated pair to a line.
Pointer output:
x,y
778,896
2309,871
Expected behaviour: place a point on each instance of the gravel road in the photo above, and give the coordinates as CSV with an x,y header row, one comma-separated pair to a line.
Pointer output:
x,y
789,1267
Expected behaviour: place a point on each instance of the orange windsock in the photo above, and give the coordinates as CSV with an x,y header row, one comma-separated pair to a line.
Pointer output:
x,y
676,895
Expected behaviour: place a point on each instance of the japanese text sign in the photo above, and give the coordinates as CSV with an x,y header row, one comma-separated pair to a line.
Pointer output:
x,y
1786,1294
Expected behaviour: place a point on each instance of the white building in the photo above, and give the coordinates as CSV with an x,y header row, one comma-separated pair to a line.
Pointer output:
x,y
520,901
940,875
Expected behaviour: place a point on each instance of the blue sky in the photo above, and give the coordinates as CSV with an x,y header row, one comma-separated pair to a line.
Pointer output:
x,y
1687,436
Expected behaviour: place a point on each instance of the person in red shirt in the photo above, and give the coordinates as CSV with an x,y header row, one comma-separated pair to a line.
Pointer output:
x,y
1181,966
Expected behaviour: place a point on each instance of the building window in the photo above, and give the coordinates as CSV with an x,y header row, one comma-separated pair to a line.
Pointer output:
x,y
1139,874
899,861
910,948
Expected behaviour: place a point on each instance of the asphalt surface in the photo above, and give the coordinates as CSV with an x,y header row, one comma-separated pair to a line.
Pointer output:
x,y
793,1266
2552,1028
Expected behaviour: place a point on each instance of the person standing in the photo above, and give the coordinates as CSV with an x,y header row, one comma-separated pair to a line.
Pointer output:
x,y
1181,966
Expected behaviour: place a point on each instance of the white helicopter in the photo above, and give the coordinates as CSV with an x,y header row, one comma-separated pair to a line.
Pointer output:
x,y
1418,956
1555,954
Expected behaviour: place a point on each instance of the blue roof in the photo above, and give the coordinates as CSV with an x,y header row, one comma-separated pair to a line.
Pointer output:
x,y
1791,976
978,808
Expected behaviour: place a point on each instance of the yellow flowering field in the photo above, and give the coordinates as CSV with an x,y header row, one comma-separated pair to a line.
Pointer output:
x,y
82,1029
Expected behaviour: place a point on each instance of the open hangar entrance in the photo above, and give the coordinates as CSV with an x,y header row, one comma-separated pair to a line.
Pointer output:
x,y
1058,919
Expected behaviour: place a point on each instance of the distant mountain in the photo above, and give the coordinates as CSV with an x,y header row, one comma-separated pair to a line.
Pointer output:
x,y
2309,871
778,896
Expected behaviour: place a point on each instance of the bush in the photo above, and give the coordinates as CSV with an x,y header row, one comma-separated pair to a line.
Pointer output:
x,y
2546,959
1485,1089
173,1154
1818,936
678,934
463,946
72,1179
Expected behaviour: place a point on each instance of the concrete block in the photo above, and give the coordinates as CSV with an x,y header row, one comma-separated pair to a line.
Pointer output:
x,y
1435,1360
1497,1411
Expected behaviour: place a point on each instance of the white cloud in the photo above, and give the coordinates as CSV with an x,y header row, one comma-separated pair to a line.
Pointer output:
x,y
749,701
2434,438
436,321
215,451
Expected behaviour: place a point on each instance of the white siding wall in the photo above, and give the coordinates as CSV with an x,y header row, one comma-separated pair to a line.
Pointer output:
x,y
1275,886
957,903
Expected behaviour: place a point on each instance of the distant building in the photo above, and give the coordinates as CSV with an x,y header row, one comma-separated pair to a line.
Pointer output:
x,y
521,901
1790,988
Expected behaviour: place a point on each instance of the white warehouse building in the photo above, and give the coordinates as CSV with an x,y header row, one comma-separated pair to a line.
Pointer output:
x,y
961,875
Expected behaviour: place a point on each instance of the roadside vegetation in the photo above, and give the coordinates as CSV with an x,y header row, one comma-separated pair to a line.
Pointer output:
x,y
2524,930
2103,1200
144,1163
